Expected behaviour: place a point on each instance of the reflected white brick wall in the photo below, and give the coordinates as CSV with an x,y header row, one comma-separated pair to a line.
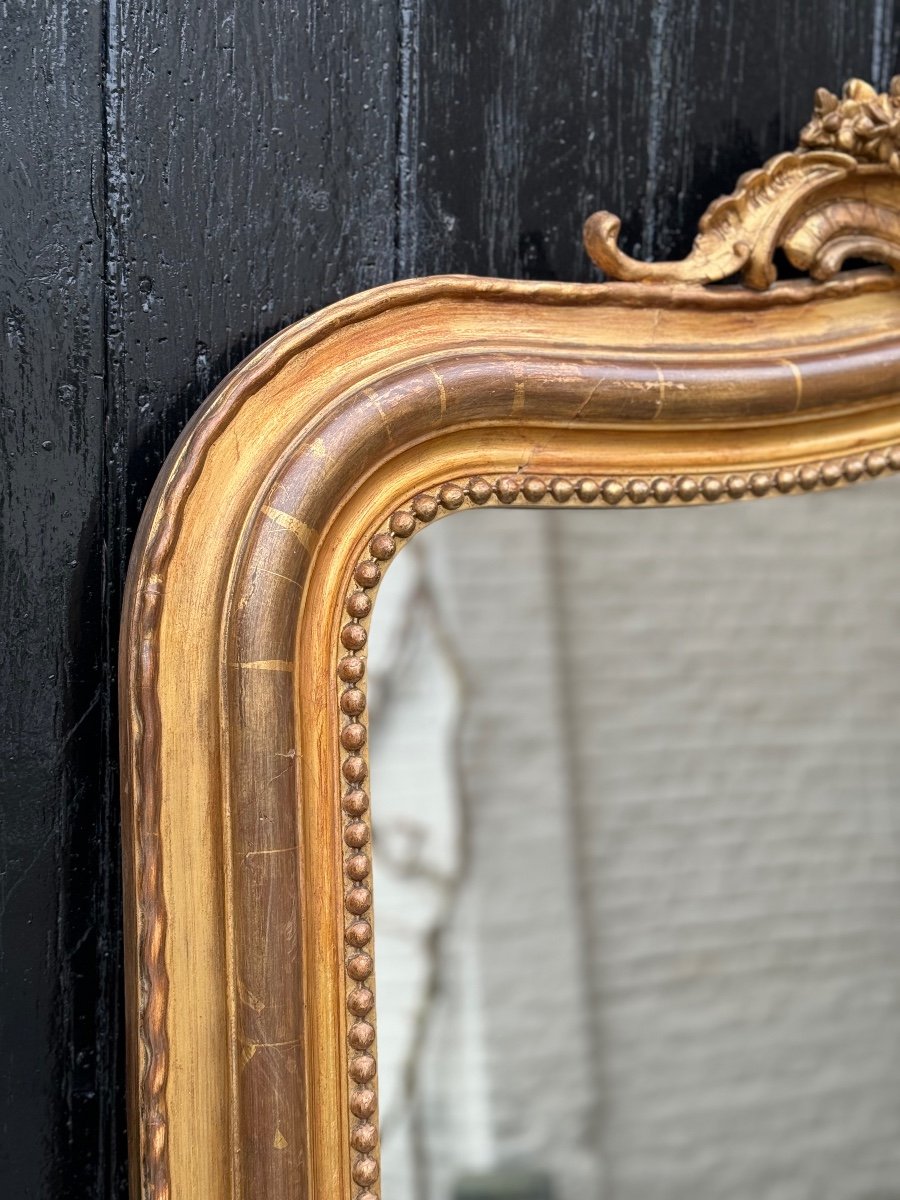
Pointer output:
x,y
636,787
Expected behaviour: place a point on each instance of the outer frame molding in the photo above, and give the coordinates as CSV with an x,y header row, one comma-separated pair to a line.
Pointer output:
x,y
247,879
249,596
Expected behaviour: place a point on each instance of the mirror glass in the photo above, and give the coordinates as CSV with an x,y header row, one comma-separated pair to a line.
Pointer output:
x,y
636,804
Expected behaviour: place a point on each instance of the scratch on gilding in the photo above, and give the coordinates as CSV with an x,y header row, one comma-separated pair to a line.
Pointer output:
x,y
798,381
280,575
304,533
588,400
441,390
273,850
267,664
376,404
318,449
661,402
248,1049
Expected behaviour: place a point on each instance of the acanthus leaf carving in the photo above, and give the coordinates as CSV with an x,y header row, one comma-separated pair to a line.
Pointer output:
x,y
836,197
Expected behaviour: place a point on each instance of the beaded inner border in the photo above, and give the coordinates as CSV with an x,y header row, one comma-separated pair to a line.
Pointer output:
x,y
422,509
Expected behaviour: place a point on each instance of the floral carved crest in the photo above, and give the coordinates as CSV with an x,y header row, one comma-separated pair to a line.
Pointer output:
x,y
836,197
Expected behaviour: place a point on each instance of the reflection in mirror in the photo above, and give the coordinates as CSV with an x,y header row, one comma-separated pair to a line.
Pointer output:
x,y
637,854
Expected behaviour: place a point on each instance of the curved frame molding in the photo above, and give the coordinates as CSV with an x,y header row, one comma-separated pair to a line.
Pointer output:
x,y
249,935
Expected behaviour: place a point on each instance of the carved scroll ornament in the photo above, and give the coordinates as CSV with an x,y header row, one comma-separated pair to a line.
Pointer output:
x,y
834,198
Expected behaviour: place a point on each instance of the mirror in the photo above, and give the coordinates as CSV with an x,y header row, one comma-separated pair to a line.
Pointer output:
x,y
636,812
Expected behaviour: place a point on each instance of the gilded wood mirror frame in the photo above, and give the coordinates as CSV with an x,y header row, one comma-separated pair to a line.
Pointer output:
x,y
250,988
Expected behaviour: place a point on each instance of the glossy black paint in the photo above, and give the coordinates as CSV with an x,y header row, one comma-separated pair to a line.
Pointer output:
x,y
178,182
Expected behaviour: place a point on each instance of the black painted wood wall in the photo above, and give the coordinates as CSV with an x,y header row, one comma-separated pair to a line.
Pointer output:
x,y
177,182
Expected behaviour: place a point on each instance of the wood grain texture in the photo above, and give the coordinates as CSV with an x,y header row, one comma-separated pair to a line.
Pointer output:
x,y
231,740
253,182
60,1091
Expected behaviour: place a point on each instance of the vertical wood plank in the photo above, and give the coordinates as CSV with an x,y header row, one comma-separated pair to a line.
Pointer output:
x,y
61,1120
252,182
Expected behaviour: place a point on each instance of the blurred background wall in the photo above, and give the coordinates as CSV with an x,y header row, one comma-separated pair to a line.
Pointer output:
x,y
178,182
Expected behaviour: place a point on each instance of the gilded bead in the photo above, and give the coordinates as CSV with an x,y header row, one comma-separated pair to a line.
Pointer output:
x,y
832,473
875,462
358,605
561,490
451,496
785,480
353,702
425,507
362,1102
587,490
364,1137
760,483
354,636
638,490
712,488
382,547
358,934
362,1068
736,486
358,866
402,523
662,490
809,477
360,1002
353,736
358,900
612,491
351,669
893,458
507,488
479,490
355,803
853,469
360,966
356,834
687,488
365,1171
367,574
534,489
354,769
361,1036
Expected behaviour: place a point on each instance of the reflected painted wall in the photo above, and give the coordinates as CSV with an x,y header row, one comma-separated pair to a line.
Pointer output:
x,y
636,784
